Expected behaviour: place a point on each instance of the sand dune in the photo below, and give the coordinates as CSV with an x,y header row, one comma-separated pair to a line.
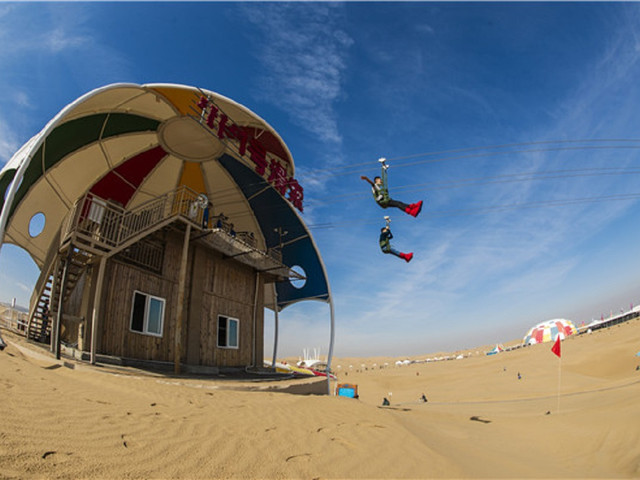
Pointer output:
x,y
70,420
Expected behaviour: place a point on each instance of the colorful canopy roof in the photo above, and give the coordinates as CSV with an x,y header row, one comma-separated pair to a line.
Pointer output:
x,y
130,143
548,331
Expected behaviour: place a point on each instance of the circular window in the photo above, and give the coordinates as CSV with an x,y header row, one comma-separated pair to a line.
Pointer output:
x,y
36,224
298,277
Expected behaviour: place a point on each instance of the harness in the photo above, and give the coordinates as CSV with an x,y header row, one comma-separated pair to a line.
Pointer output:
x,y
385,246
381,192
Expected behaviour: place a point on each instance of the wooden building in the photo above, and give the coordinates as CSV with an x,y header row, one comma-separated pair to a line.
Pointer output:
x,y
164,220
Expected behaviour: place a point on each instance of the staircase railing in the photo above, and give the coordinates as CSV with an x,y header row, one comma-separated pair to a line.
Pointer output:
x,y
109,226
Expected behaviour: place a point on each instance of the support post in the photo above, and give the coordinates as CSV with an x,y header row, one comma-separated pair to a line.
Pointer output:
x,y
275,332
254,360
55,341
330,354
180,303
96,309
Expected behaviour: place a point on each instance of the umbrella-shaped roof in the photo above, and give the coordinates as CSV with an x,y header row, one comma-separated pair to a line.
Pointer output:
x,y
129,143
548,331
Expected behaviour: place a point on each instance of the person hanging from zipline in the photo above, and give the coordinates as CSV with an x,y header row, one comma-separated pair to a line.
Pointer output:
x,y
385,242
380,190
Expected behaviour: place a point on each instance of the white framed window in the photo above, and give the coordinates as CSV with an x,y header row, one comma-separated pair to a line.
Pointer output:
x,y
228,332
147,314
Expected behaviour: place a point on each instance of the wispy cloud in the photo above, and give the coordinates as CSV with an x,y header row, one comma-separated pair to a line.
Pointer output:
x,y
60,39
53,30
53,38
304,62
8,141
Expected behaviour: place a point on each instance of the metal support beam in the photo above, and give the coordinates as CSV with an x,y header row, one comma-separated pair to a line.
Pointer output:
x,y
254,360
330,355
275,331
227,257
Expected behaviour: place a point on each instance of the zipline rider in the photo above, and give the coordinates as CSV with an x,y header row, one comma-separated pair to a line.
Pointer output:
x,y
380,190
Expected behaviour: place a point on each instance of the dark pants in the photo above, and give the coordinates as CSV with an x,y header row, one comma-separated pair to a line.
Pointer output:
x,y
388,249
394,203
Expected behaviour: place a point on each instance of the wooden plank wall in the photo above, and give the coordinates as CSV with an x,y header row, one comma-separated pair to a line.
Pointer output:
x,y
229,289
121,280
215,286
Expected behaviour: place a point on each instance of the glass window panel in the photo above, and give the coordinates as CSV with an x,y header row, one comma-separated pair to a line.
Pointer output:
x,y
233,333
222,331
137,313
156,310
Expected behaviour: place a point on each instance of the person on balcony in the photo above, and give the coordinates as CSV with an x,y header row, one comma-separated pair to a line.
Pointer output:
x,y
205,215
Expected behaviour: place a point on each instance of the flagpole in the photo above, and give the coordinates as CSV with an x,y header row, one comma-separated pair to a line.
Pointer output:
x,y
557,350
559,381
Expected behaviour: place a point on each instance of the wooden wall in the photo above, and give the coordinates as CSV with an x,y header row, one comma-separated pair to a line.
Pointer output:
x,y
228,288
215,286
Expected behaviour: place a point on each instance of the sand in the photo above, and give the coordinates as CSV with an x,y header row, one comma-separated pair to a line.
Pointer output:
x,y
65,419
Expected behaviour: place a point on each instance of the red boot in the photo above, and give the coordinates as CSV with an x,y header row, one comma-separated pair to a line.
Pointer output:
x,y
415,209
406,256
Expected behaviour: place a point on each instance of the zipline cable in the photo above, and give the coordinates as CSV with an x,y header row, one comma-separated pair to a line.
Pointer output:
x,y
495,208
314,175
326,174
490,180
486,147
508,178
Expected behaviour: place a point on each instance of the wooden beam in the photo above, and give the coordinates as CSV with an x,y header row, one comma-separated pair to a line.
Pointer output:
x,y
63,286
180,303
96,309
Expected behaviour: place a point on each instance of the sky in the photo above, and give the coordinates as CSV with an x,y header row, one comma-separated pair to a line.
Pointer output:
x,y
515,123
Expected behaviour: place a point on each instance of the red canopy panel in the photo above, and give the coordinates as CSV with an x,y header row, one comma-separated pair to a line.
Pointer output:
x,y
120,184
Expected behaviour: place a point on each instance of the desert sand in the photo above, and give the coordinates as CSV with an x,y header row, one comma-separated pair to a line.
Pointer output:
x,y
66,419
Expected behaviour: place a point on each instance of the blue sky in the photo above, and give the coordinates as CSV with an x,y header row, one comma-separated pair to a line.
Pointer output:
x,y
510,236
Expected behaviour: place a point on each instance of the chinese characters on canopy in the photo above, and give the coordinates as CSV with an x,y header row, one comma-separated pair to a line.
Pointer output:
x,y
267,167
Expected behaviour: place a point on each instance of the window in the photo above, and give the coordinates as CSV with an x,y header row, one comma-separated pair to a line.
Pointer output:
x,y
147,314
228,332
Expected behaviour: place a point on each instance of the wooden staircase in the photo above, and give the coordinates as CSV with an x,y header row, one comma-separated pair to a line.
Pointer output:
x,y
47,305
93,229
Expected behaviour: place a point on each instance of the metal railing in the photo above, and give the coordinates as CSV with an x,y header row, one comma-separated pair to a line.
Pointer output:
x,y
109,226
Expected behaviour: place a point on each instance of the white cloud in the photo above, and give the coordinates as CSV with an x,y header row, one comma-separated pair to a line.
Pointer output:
x,y
303,52
425,28
8,141
60,39
21,99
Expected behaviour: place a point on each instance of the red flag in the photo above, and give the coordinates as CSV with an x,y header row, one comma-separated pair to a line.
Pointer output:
x,y
556,347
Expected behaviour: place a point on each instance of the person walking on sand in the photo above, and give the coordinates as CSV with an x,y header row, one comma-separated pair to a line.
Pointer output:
x,y
380,190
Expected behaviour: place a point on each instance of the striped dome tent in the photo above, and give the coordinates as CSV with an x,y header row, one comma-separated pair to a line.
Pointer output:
x,y
548,331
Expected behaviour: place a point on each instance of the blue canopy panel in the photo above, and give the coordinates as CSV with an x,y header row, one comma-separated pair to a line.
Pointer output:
x,y
272,211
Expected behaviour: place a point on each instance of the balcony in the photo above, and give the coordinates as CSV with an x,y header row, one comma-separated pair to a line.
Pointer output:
x,y
103,228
